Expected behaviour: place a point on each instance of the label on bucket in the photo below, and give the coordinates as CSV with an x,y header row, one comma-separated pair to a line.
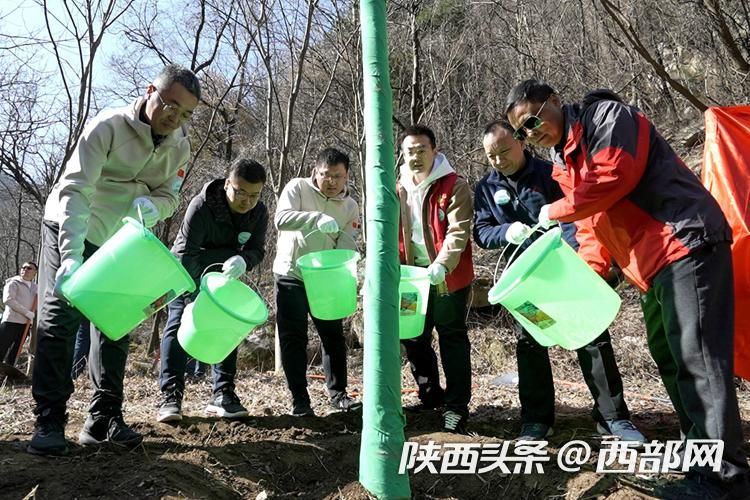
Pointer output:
x,y
531,312
409,301
159,303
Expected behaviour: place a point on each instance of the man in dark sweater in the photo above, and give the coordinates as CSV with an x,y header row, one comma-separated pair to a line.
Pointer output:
x,y
225,224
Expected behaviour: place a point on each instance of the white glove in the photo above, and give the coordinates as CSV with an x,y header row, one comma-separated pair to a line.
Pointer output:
x,y
544,220
501,197
437,273
327,224
148,210
65,271
517,233
234,266
30,315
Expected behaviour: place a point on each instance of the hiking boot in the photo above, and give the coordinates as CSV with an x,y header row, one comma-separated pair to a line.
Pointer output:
x,y
170,407
697,487
454,422
342,402
302,408
534,432
48,438
226,404
108,429
622,429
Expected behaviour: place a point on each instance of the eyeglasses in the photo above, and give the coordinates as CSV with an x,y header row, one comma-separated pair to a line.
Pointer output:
x,y
331,178
173,109
531,123
239,194
24,268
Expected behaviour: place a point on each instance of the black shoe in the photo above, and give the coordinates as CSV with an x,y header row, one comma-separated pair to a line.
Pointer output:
x,y
108,429
302,408
342,402
48,438
454,422
697,487
170,407
226,404
431,397
534,431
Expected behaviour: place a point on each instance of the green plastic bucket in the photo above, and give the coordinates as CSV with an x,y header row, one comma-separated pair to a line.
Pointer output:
x,y
221,316
330,278
555,295
413,292
130,277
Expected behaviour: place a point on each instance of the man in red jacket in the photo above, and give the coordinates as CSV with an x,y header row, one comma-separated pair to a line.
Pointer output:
x,y
672,241
436,214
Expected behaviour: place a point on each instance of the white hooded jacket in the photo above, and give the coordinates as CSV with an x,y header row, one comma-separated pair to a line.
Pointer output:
x,y
416,194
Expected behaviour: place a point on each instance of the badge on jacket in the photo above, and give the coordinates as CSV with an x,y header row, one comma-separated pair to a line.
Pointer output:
x,y
243,237
441,214
502,197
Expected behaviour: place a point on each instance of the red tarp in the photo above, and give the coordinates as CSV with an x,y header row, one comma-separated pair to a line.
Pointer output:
x,y
725,173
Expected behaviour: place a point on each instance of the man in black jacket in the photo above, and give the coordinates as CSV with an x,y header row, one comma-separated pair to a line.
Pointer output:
x,y
224,224
506,203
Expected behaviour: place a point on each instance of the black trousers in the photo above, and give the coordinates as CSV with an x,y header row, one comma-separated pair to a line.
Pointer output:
x,y
292,310
536,388
447,315
689,313
10,339
174,358
52,384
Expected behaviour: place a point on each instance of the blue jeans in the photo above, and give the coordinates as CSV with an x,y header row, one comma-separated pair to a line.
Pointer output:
x,y
174,358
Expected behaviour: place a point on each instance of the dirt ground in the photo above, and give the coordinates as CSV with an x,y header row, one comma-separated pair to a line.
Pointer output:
x,y
272,455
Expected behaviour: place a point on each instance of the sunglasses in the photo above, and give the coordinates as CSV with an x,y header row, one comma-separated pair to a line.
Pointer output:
x,y
531,123
28,267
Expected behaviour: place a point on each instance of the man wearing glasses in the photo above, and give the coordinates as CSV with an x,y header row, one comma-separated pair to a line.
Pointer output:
x,y
312,214
225,224
672,241
19,297
129,161
506,203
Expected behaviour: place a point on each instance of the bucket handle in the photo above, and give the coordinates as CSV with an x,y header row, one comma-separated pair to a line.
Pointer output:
x,y
537,228
209,267
340,232
143,223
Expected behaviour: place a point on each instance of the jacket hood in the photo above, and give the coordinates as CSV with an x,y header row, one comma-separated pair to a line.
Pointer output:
x,y
599,95
440,168
214,197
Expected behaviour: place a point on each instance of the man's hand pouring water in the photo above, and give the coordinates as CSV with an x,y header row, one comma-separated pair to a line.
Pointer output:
x,y
517,233
234,266
544,220
327,224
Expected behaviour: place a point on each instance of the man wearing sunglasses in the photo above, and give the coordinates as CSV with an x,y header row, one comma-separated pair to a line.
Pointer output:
x,y
506,204
225,225
668,233
128,161
19,297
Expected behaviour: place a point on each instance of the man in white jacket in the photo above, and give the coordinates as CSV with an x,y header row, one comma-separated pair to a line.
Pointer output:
x,y
19,297
129,160
312,214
